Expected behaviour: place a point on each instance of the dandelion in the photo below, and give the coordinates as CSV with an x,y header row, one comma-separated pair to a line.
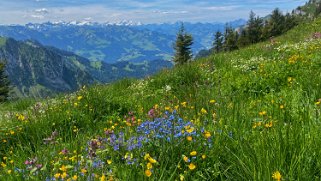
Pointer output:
x,y
277,176
193,153
148,173
191,166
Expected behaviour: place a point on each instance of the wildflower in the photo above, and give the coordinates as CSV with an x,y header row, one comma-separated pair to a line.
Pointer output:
x,y
149,166
189,129
103,178
281,106
12,132
75,177
207,134
9,172
63,168
181,177
109,162
193,153
203,157
151,160
84,171
79,98
184,104
3,165
189,138
57,175
277,176
64,175
203,111
212,101
148,173
269,125
262,113
191,166
186,159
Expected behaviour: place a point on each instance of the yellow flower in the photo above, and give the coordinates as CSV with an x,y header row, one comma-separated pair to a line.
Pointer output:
x,y
148,173
184,104
181,177
203,156
109,162
191,166
189,138
151,160
146,156
149,166
203,111
64,175
277,176
79,98
84,171
189,129
3,164
12,132
212,101
75,177
207,134
9,171
57,175
262,113
269,125
281,106
103,178
193,153
185,158
167,108
63,168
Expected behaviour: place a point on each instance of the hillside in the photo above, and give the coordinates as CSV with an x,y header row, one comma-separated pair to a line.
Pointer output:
x,y
38,71
251,114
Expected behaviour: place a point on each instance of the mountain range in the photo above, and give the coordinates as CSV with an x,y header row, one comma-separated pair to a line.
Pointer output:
x,y
35,70
116,42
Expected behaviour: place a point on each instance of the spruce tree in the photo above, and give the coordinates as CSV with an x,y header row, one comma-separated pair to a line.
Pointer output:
x,y
4,84
276,23
230,39
218,42
254,28
182,46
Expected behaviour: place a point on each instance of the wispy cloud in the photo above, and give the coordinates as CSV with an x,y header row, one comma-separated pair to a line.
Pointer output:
x,y
146,11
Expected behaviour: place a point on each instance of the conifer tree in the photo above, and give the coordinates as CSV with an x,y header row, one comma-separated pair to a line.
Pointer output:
x,y
230,39
276,24
182,46
254,28
4,84
218,42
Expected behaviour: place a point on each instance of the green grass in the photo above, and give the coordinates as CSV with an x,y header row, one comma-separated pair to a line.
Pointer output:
x,y
245,115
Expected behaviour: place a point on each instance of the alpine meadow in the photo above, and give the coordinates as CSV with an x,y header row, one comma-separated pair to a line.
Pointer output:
x,y
241,103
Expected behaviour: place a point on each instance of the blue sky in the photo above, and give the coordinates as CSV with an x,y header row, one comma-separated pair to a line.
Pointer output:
x,y
145,11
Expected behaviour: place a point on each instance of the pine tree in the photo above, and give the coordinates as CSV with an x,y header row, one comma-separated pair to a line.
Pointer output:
x,y
182,46
276,24
4,84
218,42
243,39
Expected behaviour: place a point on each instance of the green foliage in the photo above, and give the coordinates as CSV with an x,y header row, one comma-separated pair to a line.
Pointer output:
x,y
183,52
4,84
230,39
218,42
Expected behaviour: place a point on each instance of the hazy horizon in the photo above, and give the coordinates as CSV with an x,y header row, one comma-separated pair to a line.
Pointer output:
x,y
143,11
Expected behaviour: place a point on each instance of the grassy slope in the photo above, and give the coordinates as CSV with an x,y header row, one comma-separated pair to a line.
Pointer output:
x,y
265,118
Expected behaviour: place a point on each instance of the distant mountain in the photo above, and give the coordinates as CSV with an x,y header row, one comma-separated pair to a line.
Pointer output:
x,y
36,70
112,43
